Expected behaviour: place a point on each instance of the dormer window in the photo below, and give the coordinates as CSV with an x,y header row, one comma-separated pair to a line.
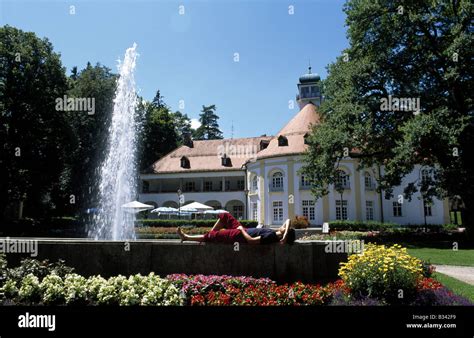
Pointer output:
x,y
225,161
185,163
264,144
282,141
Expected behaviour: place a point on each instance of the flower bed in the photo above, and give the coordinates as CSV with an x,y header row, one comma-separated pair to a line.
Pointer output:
x,y
228,290
374,277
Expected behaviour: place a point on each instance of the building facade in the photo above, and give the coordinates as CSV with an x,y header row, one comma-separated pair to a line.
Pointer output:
x,y
260,178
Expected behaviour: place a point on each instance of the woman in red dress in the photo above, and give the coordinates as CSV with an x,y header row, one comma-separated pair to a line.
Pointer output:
x,y
229,230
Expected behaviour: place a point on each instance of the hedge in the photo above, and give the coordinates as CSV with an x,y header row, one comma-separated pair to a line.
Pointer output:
x,y
379,226
208,223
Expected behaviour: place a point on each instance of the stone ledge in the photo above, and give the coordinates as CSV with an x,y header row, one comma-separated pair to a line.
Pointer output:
x,y
303,261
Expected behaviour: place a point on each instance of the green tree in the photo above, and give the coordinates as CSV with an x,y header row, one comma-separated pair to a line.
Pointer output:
x,y
159,135
183,126
405,49
31,129
89,133
209,128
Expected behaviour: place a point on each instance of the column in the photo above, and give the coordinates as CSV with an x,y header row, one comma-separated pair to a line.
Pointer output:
x,y
291,188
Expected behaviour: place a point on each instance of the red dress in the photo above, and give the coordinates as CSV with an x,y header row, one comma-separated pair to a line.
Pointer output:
x,y
229,234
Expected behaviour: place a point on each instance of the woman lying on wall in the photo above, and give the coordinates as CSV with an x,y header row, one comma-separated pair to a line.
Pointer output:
x,y
229,230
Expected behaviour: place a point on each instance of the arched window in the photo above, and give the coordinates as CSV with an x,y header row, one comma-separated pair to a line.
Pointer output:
x,y
342,180
282,141
277,181
368,182
185,162
254,183
426,175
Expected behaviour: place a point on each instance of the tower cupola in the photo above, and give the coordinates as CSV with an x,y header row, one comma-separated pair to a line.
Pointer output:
x,y
309,89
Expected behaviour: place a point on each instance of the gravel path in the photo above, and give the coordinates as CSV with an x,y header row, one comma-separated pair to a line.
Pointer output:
x,y
463,273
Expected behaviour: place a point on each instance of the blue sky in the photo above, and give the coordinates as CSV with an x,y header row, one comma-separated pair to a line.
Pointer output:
x,y
191,57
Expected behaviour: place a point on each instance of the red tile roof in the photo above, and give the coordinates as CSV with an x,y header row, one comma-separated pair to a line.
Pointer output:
x,y
206,155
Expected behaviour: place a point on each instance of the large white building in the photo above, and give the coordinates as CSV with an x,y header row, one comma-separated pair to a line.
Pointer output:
x,y
259,178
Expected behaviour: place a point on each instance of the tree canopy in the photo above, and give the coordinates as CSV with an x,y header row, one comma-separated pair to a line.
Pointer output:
x,y
209,128
414,51
31,129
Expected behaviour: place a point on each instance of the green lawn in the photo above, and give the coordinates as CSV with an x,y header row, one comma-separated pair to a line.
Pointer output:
x,y
456,286
463,257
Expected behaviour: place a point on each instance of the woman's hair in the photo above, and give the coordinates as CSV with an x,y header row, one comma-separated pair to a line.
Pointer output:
x,y
290,239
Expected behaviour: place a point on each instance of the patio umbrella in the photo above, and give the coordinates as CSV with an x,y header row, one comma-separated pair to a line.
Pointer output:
x,y
186,210
198,207
216,212
135,207
165,210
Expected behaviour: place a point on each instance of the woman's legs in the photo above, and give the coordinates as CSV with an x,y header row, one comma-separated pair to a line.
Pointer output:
x,y
185,237
218,225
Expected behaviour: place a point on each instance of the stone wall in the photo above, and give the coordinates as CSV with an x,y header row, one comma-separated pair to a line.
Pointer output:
x,y
302,261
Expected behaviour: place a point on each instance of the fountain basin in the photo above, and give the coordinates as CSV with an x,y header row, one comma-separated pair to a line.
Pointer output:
x,y
303,261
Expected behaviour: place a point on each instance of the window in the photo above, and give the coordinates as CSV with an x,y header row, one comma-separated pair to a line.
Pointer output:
x,y
254,183
397,209
227,185
240,185
282,141
185,162
264,144
238,211
342,180
308,209
208,186
425,176
428,210
225,161
368,182
278,211
305,182
145,187
341,209
369,210
277,181
255,211
189,186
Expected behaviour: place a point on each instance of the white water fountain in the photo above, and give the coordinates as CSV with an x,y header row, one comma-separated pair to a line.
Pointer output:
x,y
118,171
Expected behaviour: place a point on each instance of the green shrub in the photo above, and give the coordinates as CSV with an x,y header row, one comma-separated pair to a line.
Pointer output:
x,y
147,232
450,227
385,226
176,223
360,226
339,235
39,269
